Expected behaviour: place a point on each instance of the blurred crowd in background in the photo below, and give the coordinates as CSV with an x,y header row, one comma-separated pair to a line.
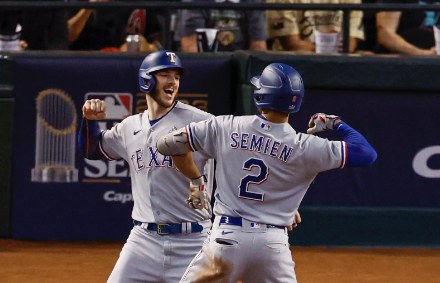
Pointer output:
x,y
143,30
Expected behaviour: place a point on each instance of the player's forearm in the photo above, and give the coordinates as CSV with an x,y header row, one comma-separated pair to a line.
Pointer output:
x,y
185,163
77,23
176,145
88,139
359,151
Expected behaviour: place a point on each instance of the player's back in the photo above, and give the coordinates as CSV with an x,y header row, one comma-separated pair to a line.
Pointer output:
x,y
263,168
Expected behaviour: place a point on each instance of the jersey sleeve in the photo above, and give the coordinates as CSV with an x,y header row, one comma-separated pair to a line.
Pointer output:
x,y
112,144
323,155
89,137
202,136
359,151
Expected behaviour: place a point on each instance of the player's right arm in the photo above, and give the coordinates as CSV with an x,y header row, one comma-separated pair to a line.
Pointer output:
x,y
89,135
358,151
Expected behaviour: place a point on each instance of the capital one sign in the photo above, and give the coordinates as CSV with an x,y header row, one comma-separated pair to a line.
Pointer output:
x,y
420,162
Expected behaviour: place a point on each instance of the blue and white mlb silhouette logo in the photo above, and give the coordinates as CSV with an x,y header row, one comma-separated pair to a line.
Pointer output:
x,y
255,225
265,126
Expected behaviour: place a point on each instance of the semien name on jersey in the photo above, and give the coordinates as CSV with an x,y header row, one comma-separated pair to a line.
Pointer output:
x,y
261,144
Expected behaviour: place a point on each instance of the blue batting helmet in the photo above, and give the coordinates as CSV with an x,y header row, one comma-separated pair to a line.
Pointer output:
x,y
156,61
280,87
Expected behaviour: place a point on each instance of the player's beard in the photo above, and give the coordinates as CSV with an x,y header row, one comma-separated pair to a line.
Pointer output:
x,y
161,101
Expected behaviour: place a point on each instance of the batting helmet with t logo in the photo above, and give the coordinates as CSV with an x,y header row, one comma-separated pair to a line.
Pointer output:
x,y
280,87
156,61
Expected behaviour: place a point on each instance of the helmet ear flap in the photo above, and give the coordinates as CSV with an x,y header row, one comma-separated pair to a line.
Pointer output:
x,y
256,82
146,82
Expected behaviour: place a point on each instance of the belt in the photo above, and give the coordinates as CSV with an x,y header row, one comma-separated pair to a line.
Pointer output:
x,y
238,222
166,229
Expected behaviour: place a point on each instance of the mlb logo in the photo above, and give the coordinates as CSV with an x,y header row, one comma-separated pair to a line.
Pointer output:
x,y
265,126
255,225
119,105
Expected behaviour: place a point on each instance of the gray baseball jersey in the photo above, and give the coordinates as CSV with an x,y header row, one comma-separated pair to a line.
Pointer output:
x,y
159,189
159,192
263,169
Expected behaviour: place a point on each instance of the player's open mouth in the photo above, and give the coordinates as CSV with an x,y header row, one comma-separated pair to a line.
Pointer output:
x,y
169,91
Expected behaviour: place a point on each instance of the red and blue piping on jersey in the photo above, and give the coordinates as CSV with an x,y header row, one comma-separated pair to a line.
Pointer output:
x,y
189,138
89,140
101,149
358,152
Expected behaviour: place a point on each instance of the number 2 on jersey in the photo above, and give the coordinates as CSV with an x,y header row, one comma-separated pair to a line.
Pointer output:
x,y
253,179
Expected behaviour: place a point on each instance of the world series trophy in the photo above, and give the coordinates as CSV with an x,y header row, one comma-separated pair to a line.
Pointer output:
x,y
55,138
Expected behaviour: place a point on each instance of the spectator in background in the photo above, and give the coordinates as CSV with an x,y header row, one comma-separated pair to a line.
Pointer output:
x,y
406,32
238,30
10,29
77,28
106,30
293,30
44,29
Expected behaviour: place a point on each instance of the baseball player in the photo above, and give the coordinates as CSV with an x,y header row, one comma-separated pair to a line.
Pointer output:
x,y
264,170
166,233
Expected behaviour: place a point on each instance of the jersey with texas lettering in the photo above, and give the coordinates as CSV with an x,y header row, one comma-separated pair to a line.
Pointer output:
x,y
263,169
159,189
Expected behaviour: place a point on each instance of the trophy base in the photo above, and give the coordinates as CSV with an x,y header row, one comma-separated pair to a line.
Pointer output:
x,y
54,175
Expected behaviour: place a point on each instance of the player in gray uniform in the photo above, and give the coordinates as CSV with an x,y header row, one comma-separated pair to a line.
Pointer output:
x,y
167,234
264,170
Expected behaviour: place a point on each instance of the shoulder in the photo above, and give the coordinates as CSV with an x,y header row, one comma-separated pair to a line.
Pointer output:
x,y
131,121
191,111
132,118
312,141
233,122
222,119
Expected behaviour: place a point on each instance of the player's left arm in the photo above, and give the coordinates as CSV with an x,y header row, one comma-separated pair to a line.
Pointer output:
x,y
89,135
359,151
176,145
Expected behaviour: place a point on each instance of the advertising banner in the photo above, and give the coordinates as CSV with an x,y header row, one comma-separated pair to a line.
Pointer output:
x,y
57,193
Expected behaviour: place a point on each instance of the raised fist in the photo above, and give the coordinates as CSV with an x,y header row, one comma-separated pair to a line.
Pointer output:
x,y
94,109
322,122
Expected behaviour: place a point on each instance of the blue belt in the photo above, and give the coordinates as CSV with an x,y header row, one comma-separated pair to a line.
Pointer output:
x,y
166,229
238,222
